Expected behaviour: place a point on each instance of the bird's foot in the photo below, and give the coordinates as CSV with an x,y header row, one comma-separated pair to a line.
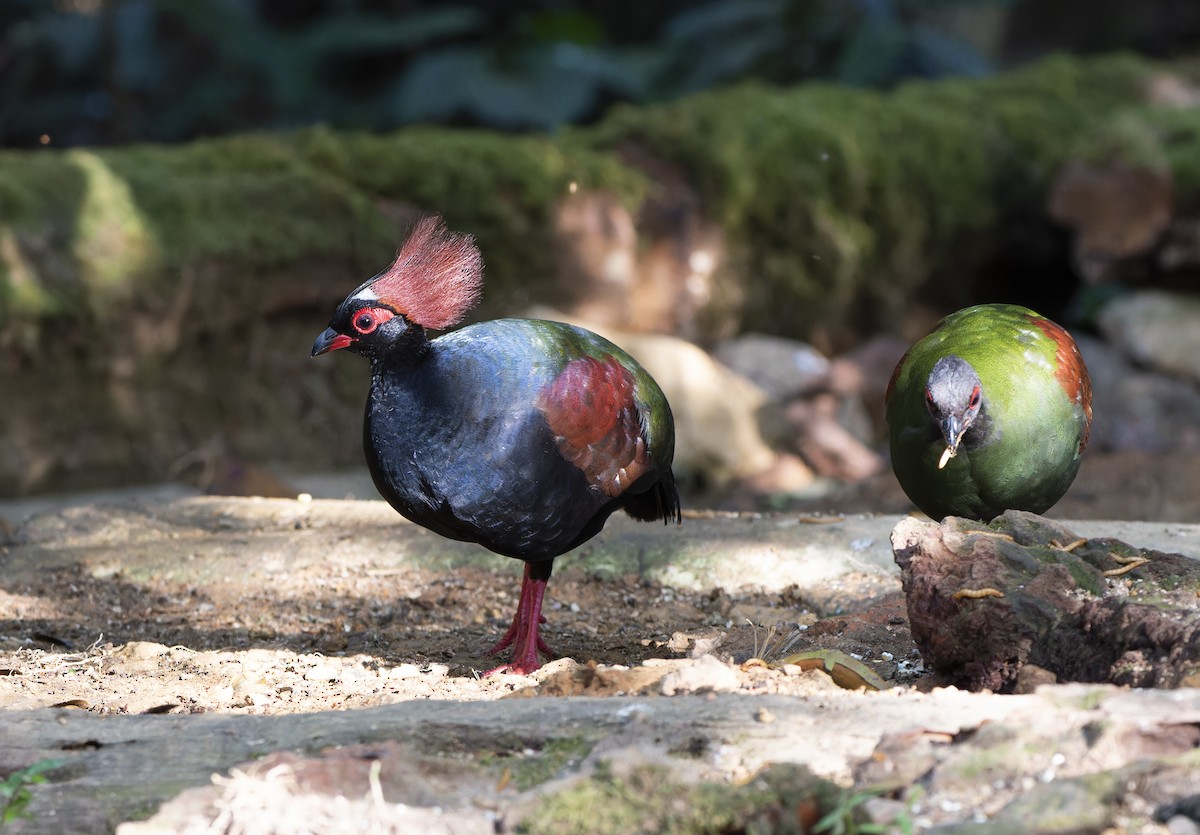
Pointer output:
x,y
511,635
524,658
522,634
513,668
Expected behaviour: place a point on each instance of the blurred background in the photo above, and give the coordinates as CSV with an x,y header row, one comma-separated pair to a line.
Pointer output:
x,y
103,72
765,201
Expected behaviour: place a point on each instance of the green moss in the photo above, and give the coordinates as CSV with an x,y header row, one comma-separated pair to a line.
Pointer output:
x,y
837,202
107,226
842,199
251,202
648,799
1085,576
1178,132
39,194
114,244
502,189
534,769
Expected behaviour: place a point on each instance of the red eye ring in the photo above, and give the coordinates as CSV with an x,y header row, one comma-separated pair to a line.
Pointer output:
x,y
367,319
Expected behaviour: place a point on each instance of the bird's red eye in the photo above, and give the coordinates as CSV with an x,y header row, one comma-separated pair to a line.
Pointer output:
x,y
369,318
974,397
365,322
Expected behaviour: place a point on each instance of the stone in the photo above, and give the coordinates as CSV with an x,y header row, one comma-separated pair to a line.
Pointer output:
x,y
705,674
782,368
1135,408
1115,211
1156,329
984,601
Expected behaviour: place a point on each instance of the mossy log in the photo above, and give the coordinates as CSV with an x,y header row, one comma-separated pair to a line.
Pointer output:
x,y
998,605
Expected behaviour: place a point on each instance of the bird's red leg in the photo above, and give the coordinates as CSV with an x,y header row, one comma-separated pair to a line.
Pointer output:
x,y
523,635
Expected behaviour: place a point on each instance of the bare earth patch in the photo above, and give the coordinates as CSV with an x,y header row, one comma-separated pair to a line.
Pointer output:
x,y
275,666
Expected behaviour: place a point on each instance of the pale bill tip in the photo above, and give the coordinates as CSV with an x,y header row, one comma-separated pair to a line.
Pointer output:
x,y
946,456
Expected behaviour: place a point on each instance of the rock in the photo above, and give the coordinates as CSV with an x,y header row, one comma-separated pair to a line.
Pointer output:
x,y
1156,329
705,674
657,283
1115,212
1184,812
137,657
383,787
873,363
1181,825
1069,807
782,368
985,600
1135,408
823,440
814,407
593,679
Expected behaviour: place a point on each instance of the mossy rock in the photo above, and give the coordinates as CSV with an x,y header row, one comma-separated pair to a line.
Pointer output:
x,y
173,291
842,202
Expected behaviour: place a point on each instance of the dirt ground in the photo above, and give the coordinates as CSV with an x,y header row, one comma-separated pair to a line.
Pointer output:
x,y
236,607
347,633
347,638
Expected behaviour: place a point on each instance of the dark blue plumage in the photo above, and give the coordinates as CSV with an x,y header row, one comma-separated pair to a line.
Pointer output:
x,y
521,435
457,442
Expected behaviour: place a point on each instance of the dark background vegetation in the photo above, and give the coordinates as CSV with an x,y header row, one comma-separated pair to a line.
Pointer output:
x,y
102,72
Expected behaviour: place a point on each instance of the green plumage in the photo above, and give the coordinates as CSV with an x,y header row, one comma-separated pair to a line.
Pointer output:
x,y
1023,449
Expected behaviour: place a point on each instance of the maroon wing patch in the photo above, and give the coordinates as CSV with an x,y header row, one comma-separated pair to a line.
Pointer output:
x,y
1070,371
591,411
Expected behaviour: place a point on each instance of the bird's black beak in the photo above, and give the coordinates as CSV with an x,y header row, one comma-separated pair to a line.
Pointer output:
x,y
330,340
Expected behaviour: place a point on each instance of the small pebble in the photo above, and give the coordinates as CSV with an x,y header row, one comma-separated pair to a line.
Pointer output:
x,y
765,716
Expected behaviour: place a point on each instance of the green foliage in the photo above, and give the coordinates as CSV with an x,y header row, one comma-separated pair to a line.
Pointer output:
x,y
14,790
166,70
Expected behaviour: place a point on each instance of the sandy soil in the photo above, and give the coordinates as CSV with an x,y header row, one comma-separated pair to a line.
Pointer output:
x,y
355,637
346,633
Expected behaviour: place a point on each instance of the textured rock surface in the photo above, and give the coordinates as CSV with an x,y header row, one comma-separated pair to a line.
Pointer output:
x,y
984,601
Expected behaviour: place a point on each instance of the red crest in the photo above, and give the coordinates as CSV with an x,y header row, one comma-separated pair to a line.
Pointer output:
x,y
435,278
